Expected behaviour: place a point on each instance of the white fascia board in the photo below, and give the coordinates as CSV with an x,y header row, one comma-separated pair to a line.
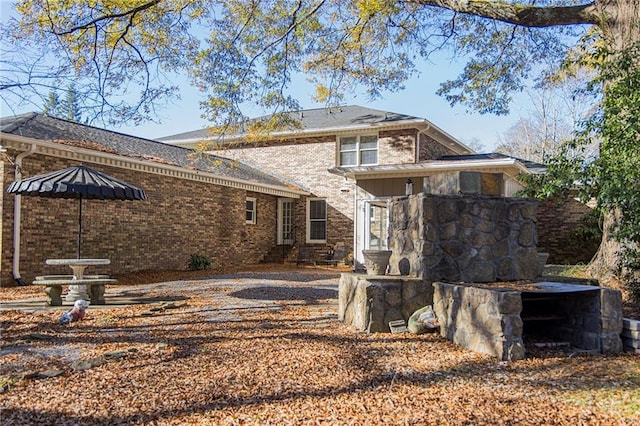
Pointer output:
x,y
418,170
49,148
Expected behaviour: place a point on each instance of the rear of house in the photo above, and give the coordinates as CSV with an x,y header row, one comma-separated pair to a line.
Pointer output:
x,y
352,160
203,205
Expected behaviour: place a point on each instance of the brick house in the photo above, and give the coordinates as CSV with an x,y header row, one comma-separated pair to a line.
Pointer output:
x,y
351,160
197,204
299,195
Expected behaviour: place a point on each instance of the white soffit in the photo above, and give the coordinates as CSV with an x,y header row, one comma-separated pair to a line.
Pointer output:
x,y
424,169
53,149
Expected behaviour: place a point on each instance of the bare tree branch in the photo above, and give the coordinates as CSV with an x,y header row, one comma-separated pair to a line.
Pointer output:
x,y
519,14
108,17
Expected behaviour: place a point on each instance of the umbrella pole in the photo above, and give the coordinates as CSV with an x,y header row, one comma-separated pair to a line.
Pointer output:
x,y
79,227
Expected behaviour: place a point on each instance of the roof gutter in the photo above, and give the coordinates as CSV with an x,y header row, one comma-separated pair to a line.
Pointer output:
x,y
17,215
53,149
418,170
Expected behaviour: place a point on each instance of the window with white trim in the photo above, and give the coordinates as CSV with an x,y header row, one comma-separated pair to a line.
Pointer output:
x,y
358,150
251,211
316,220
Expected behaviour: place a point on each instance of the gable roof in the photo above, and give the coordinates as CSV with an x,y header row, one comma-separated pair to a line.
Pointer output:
x,y
325,121
71,136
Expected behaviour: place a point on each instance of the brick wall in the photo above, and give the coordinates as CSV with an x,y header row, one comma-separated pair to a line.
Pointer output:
x,y
306,161
179,218
430,149
306,164
556,225
397,147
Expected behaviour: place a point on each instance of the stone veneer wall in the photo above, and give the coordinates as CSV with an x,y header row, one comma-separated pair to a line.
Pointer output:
x,y
611,321
179,218
483,320
437,240
369,303
463,238
490,320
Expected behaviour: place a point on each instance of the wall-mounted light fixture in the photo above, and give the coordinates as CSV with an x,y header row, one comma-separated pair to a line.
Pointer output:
x,y
346,186
408,187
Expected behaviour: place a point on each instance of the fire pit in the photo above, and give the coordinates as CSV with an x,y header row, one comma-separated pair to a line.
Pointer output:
x,y
475,259
503,320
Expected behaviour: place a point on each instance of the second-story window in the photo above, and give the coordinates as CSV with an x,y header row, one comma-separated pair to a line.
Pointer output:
x,y
358,150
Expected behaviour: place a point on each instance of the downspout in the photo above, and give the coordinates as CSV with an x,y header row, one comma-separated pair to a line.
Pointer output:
x,y
17,204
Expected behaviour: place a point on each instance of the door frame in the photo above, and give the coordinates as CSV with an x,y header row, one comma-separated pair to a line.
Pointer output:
x,y
281,225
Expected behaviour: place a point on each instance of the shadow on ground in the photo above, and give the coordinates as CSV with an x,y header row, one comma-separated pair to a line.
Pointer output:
x,y
308,294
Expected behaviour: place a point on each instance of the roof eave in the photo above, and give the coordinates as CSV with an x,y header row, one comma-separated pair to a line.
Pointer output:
x,y
421,169
50,148
416,123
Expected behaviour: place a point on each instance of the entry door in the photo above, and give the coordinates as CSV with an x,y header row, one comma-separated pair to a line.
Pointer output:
x,y
285,221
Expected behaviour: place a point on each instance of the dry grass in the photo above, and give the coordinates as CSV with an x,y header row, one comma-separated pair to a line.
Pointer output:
x,y
264,349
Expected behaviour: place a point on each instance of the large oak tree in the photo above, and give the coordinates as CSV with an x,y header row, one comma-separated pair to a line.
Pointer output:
x,y
121,54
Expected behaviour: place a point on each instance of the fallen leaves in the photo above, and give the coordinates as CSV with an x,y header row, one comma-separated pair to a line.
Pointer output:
x,y
265,349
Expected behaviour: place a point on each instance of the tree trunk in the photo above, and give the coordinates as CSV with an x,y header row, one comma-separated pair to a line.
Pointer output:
x,y
621,28
607,260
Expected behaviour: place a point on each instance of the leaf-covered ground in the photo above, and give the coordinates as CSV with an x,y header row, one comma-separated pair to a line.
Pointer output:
x,y
265,347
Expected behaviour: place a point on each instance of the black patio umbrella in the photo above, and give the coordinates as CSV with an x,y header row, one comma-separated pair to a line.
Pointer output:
x,y
79,182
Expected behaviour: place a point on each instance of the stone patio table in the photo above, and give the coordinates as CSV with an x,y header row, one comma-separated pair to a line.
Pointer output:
x,y
77,292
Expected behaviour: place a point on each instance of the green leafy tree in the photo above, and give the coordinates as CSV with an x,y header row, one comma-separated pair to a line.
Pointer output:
x,y
612,177
113,48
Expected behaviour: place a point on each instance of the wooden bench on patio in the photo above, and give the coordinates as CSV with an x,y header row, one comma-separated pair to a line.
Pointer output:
x,y
53,286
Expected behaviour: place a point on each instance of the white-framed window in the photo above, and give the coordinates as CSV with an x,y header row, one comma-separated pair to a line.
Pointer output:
x,y
358,150
251,211
316,220
377,227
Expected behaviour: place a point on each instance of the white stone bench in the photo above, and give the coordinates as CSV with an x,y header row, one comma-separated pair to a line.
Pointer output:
x,y
53,287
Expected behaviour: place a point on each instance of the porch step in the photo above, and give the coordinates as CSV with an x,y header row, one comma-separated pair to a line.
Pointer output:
x,y
631,335
277,254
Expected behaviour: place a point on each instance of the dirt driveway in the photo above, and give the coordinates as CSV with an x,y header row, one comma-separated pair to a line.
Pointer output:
x,y
265,347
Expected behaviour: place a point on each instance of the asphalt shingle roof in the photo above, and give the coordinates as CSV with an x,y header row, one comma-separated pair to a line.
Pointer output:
x,y
43,127
321,119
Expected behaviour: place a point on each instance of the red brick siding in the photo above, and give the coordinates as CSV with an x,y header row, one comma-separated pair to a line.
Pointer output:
x,y
306,161
307,165
179,218
430,149
555,223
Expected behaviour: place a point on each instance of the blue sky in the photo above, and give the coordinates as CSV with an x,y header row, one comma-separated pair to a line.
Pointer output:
x,y
417,99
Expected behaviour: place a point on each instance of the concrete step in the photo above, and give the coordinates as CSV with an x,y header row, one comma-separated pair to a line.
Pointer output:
x,y
630,324
630,350
631,342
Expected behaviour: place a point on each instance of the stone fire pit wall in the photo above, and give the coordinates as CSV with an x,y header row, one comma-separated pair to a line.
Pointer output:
x,y
369,302
480,319
463,238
